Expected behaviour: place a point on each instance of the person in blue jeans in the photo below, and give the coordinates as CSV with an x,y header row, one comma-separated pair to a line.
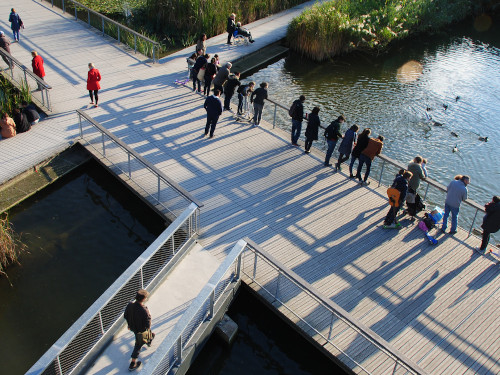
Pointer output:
x,y
297,113
455,194
332,135
15,24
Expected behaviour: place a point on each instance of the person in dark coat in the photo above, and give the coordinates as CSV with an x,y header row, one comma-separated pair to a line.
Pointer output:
x,y
30,112
213,106
139,321
93,85
401,184
200,63
347,144
231,26
332,135
312,129
15,24
232,82
491,221
244,92
297,113
5,44
257,98
210,72
22,124
361,144
221,76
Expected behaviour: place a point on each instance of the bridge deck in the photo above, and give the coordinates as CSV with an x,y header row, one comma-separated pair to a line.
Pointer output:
x,y
438,305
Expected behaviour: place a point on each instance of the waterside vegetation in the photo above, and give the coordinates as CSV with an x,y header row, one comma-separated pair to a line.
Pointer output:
x,y
10,244
338,27
11,97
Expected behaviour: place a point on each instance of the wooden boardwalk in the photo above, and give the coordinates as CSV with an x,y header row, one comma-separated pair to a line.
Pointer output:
x,y
437,305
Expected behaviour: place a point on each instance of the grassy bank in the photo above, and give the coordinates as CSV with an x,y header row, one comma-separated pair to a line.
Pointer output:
x,y
178,23
341,26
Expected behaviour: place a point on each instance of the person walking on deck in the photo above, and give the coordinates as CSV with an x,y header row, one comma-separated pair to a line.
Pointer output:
x,y
232,82
200,63
37,65
15,24
201,45
491,221
257,98
455,194
5,44
93,85
244,92
213,106
297,113
415,167
400,184
139,321
332,135
312,129
373,148
210,72
360,145
231,26
347,144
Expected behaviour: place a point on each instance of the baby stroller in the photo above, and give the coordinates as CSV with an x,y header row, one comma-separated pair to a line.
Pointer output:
x,y
430,220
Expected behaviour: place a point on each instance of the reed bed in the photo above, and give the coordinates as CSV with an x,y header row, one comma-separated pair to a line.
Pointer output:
x,y
342,26
11,96
10,244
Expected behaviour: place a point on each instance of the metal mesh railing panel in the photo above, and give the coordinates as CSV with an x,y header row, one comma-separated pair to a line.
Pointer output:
x,y
51,369
80,345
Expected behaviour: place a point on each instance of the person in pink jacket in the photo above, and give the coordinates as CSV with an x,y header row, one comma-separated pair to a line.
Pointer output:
x,y
8,126
93,84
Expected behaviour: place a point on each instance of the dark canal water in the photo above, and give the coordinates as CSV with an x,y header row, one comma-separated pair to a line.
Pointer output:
x,y
265,345
82,232
458,68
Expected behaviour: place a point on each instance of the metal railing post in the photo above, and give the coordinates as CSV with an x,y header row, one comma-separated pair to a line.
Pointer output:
x,y
473,221
26,78
142,278
80,124
88,16
76,14
179,350
254,265
129,167
381,172
274,119
426,190
59,367
118,28
212,303
103,145
135,43
277,286
101,324
64,6
43,89
331,327
159,180
102,23
238,267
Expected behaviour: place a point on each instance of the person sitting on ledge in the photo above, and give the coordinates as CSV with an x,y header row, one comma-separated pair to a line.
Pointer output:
x,y
245,32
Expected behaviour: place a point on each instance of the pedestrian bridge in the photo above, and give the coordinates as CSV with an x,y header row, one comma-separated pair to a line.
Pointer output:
x,y
436,305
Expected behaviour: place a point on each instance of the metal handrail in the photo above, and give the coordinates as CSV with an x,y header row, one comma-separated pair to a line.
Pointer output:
x,y
335,310
169,354
101,320
119,26
131,154
385,159
23,80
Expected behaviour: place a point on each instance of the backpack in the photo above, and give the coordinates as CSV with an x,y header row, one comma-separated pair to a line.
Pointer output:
x,y
329,133
292,109
394,195
241,89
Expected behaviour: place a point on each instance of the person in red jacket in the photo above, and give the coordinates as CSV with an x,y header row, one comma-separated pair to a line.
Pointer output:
x,y
37,64
93,84
374,148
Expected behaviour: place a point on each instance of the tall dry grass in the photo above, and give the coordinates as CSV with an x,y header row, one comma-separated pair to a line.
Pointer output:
x,y
10,244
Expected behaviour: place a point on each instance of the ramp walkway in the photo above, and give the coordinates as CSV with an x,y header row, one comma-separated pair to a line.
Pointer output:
x,y
437,305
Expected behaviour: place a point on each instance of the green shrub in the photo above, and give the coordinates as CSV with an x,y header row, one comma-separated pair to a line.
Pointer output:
x,y
340,26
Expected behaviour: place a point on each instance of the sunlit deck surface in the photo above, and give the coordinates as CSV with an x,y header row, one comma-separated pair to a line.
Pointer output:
x,y
439,305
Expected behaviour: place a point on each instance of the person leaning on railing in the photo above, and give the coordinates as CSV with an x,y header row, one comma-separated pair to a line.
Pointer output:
x,y
5,44
257,98
456,193
491,221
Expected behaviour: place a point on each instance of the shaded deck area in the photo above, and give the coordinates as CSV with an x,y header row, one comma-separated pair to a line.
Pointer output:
x,y
439,305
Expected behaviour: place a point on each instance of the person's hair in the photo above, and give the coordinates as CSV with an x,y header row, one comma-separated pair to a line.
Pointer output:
x,y
401,172
458,177
465,177
366,132
496,199
381,137
202,35
4,114
141,295
216,92
216,55
13,10
91,65
418,159
407,174
238,24
206,55
193,56
341,118
251,83
315,110
355,128
232,15
264,85
24,102
34,53
424,160
302,98
212,60
228,64
237,73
